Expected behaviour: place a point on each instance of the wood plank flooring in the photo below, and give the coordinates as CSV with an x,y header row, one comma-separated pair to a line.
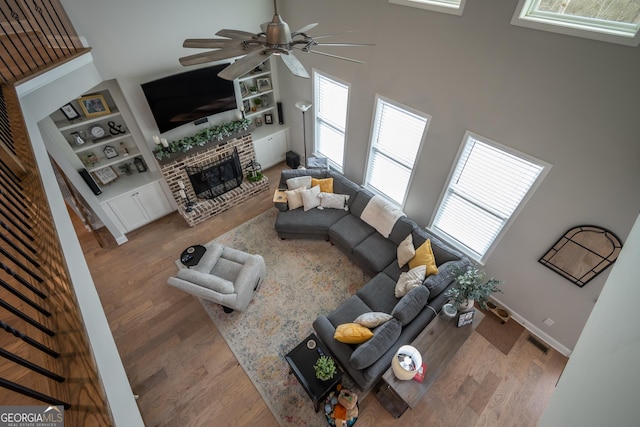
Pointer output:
x,y
186,374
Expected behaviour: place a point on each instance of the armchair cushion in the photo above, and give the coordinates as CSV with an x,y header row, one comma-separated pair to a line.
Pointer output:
x,y
214,283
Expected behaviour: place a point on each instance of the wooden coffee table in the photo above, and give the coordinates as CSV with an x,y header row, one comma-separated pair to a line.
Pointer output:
x,y
301,360
437,344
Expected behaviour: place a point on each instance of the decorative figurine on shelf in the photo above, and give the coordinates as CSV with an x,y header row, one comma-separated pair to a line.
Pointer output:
x,y
139,164
265,101
125,150
79,137
115,129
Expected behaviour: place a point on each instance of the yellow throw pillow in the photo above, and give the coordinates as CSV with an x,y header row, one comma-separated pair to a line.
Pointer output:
x,y
326,184
424,256
352,333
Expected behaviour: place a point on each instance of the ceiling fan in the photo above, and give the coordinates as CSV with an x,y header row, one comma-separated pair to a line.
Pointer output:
x,y
274,39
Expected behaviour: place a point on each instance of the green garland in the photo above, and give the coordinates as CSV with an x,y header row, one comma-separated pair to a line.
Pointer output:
x,y
213,133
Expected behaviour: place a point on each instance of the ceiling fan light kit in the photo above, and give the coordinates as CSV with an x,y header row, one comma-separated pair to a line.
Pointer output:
x,y
275,39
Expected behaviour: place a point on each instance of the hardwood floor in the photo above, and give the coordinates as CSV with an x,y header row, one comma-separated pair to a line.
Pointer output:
x,y
186,375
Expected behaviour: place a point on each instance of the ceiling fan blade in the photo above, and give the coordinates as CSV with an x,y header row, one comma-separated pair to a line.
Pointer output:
x,y
217,55
235,34
294,65
244,65
335,56
209,43
304,29
323,36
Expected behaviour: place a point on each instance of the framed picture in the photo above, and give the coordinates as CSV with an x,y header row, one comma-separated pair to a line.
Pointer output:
x,y
110,152
268,118
257,121
264,84
94,105
243,89
246,105
70,112
106,175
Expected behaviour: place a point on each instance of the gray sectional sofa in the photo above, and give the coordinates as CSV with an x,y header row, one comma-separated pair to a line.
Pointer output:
x,y
365,363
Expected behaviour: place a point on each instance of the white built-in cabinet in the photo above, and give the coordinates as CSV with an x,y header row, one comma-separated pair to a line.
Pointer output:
x,y
140,206
271,147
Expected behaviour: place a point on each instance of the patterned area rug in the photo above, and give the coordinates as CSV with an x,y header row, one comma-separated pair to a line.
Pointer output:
x,y
304,279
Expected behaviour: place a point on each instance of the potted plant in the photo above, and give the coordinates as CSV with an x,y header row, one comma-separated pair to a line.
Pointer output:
x,y
257,102
253,90
472,286
325,368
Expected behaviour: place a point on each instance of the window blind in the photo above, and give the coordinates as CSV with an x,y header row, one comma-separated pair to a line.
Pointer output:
x,y
487,186
395,143
331,103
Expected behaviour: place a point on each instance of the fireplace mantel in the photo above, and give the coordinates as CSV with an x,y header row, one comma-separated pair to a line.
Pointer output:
x,y
173,170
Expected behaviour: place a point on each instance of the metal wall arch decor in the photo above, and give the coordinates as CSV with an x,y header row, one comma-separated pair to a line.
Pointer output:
x,y
582,253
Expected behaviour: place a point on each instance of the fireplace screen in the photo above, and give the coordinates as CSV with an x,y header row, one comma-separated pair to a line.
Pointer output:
x,y
216,178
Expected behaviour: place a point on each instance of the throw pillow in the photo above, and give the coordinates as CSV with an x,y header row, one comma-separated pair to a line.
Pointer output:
x,y
352,333
372,319
294,198
424,256
411,304
383,339
410,280
326,184
334,201
310,198
299,182
406,251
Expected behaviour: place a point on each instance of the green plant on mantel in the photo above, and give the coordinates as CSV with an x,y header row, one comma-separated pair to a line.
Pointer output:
x,y
472,285
212,133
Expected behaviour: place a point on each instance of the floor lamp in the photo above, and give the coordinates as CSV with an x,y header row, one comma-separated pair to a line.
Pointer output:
x,y
304,106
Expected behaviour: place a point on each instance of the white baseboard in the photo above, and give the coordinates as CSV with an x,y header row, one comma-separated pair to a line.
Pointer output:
x,y
539,333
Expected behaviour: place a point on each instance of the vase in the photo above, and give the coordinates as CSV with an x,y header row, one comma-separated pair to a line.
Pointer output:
x,y
467,305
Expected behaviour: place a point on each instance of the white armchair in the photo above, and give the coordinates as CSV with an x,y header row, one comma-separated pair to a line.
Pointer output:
x,y
226,276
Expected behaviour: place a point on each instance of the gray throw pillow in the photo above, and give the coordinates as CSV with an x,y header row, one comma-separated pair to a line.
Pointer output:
x,y
384,336
411,304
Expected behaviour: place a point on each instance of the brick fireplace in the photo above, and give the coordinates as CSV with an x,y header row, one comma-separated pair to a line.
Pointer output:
x,y
174,173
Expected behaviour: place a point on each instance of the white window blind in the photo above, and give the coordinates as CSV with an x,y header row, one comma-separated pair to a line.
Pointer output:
x,y
395,143
616,21
331,99
485,189
454,7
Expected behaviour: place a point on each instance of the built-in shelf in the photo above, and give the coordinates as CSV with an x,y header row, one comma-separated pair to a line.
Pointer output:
x,y
97,143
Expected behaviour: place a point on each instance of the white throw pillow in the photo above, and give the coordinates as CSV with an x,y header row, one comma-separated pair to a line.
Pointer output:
x,y
373,319
410,280
334,201
310,198
294,198
299,182
406,251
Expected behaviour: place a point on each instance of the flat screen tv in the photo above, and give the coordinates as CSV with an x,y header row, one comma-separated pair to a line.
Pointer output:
x,y
182,98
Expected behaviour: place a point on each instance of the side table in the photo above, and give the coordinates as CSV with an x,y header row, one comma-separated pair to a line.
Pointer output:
x,y
437,344
301,360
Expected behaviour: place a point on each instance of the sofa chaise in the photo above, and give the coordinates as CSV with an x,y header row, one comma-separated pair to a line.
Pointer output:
x,y
377,255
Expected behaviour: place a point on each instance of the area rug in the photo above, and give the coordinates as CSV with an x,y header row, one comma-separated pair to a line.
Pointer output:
x,y
502,336
304,279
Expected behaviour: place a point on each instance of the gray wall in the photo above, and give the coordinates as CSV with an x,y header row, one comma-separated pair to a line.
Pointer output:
x,y
571,102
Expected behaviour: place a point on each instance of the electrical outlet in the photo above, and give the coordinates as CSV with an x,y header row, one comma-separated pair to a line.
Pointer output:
x,y
548,321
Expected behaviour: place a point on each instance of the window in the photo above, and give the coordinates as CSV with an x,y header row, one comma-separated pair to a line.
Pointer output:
x,y
488,185
616,21
396,139
331,99
454,7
